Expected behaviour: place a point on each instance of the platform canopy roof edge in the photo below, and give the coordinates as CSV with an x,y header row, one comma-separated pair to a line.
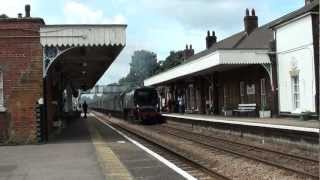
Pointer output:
x,y
82,35
218,60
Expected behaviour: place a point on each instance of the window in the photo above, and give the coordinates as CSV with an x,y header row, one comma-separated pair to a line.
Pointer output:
x,y
192,98
1,89
210,94
295,91
242,91
263,93
225,95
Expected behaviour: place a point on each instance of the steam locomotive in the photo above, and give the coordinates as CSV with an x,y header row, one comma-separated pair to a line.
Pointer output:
x,y
141,105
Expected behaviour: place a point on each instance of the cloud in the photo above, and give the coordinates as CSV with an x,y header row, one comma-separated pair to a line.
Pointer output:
x,y
78,13
218,15
13,7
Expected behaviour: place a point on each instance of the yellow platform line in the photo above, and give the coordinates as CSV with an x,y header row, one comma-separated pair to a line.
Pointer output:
x,y
111,166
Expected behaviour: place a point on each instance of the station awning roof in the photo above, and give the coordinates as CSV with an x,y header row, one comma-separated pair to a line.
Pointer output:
x,y
218,60
81,53
83,35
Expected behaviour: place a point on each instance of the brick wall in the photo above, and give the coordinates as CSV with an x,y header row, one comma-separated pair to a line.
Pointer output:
x,y
21,63
249,75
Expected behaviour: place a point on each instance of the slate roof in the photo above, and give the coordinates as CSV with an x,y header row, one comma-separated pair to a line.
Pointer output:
x,y
257,39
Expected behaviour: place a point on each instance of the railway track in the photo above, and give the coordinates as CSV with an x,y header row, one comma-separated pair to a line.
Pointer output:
x,y
197,168
186,129
297,164
302,166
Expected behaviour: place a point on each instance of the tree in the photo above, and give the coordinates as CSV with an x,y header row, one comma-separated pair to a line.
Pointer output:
x,y
143,65
174,59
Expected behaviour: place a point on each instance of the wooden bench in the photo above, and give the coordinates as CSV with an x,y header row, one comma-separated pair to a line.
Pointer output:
x,y
246,108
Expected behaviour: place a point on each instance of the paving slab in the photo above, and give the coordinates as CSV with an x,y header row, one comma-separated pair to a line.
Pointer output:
x,y
139,163
70,156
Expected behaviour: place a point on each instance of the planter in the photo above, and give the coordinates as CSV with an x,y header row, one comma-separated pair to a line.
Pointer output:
x,y
264,114
227,112
306,116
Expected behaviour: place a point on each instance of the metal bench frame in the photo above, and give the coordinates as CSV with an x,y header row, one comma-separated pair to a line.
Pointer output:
x,y
246,108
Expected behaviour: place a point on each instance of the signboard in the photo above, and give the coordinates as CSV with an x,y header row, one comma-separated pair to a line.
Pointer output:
x,y
251,89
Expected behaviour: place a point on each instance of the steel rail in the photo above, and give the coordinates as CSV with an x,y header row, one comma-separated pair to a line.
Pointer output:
x,y
244,144
259,159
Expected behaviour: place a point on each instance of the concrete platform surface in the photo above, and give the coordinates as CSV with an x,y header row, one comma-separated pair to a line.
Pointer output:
x,y
86,150
71,156
138,163
280,123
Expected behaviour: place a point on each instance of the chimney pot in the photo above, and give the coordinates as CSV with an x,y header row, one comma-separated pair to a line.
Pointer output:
x,y
253,12
210,40
190,46
186,46
208,33
27,9
19,15
250,22
247,12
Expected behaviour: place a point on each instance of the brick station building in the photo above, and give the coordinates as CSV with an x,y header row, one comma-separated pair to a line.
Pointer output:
x,y
48,65
20,76
244,69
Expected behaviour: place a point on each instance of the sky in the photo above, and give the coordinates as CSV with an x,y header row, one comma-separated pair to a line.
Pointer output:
x,y
159,26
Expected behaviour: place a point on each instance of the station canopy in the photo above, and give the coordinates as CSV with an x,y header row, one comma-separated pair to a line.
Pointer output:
x,y
82,53
220,60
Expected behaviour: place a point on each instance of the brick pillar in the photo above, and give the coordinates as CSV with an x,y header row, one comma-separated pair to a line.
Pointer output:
x,y
21,64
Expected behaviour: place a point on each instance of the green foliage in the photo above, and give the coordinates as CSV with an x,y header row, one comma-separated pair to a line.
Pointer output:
x,y
143,65
174,59
306,115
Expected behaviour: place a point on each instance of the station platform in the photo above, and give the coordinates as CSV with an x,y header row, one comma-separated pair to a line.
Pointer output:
x,y
85,149
69,155
310,126
121,159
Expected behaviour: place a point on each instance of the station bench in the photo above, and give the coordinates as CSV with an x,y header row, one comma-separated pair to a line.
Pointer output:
x,y
246,108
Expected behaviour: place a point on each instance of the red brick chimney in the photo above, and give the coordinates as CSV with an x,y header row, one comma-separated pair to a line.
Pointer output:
x,y
210,39
188,52
250,22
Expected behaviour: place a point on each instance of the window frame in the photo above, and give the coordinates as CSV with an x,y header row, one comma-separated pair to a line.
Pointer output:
x,y
295,92
242,91
263,92
2,101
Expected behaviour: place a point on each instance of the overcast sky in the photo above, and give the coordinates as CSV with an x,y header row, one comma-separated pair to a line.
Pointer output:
x,y
156,25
